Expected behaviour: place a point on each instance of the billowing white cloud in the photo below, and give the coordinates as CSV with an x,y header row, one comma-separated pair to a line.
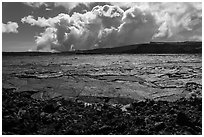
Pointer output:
x,y
182,20
10,27
42,22
114,25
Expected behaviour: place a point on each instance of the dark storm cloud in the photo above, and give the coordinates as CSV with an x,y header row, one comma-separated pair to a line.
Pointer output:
x,y
110,25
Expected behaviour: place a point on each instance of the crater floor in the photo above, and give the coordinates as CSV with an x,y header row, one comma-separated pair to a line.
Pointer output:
x,y
138,77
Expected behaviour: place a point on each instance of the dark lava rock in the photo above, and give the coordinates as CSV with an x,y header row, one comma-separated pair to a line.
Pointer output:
x,y
182,119
159,126
51,108
46,95
140,103
142,132
127,107
104,129
192,86
139,120
172,111
22,114
28,93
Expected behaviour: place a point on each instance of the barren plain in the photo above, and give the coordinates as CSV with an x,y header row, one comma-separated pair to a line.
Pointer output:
x,y
124,82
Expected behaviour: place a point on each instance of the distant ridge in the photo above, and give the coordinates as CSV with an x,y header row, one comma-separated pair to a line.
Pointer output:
x,y
187,47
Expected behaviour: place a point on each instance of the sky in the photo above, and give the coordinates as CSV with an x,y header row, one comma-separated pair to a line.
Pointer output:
x,y
68,26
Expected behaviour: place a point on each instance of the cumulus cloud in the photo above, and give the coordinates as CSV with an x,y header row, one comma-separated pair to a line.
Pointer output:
x,y
180,21
42,22
10,27
119,24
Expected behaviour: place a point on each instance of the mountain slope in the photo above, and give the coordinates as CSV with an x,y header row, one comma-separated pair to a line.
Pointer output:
x,y
188,47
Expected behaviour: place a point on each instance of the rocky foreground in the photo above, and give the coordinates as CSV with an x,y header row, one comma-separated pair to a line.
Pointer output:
x,y
22,114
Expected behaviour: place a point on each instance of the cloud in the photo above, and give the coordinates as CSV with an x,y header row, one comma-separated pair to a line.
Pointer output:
x,y
10,27
67,5
35,4
42,22
120,24
48,9
176,21
179,21
70,5
46,38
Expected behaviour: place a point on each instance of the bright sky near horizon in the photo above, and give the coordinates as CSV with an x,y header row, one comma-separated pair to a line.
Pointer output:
x,y
65,26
